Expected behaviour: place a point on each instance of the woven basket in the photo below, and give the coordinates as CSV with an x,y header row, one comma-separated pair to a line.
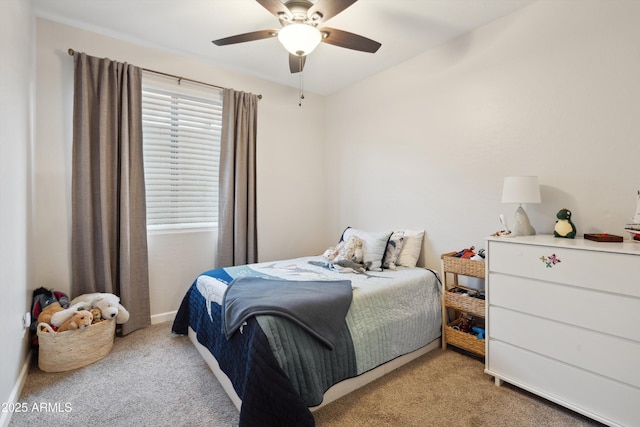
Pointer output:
x,y
463,340
64,351
464,266
468,304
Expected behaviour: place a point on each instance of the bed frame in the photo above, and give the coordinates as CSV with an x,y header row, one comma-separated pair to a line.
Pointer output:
x,y
336,391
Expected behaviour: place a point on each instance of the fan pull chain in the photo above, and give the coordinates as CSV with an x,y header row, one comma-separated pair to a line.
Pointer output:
x,y
301,85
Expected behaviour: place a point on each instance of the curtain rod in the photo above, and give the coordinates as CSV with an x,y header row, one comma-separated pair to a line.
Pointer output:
x,y
180,78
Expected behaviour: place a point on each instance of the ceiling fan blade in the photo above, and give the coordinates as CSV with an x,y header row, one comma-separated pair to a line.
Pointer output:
x,y
277,8
329,8
246,37
296,63
349,40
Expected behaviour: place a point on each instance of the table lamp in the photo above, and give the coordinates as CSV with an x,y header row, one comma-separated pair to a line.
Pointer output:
x,y
521,189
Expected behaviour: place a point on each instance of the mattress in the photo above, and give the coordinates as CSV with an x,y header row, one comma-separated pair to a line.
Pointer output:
x,y
277,368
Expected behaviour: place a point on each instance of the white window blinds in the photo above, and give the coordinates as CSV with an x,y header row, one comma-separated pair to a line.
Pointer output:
x,y
181,133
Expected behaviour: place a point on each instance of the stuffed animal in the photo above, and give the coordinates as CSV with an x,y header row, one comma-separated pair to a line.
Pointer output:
x,y
80,320
46,314
333,252
109,305
97,315
358,254
61,316
564,227
43,297
350,250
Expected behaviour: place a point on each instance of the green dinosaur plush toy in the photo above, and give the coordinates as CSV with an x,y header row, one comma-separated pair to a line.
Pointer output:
x,y
564,227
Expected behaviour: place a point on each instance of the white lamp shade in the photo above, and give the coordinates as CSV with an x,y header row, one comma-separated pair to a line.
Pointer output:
x,y
521,189
299,39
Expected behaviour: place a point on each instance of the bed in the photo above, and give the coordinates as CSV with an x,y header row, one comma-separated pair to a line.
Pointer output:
x,y
278,365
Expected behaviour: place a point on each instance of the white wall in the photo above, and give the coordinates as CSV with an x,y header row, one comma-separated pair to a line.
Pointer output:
x,y
16,101
551,90
290,177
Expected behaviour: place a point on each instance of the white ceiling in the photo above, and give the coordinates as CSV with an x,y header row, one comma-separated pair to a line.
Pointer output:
x,y
405,28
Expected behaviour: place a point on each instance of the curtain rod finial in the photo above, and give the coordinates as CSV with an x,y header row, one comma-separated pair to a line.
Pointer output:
x,y
71,51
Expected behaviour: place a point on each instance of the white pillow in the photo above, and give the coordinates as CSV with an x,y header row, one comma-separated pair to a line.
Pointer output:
x,y
374,245
411,248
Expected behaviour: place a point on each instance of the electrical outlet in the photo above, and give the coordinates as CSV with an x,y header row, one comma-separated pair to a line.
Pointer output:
x,y
26,320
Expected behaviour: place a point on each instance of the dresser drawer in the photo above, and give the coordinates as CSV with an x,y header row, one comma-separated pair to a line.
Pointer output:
x,y
606,271
599,311
580,347
603,399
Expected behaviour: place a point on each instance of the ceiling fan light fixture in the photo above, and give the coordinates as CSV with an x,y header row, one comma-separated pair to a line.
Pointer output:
x,y
283,17
299,39
316,17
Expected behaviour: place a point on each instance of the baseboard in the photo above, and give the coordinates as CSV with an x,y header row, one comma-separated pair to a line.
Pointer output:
x,y
163,317
5,417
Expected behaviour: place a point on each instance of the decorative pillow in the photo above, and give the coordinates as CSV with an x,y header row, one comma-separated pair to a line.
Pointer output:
x,y
374,245
411,248
393,250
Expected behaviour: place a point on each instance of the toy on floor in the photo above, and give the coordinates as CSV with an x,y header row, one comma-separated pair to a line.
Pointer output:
x,y
564,227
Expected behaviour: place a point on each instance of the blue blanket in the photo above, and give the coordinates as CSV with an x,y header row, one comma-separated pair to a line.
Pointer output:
x,y
318,307
267,394
268,398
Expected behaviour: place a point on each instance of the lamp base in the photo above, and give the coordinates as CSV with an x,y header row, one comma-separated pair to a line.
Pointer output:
x,y
521,224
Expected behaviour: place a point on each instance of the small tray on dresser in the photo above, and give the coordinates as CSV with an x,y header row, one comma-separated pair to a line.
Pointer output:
x,y
604,237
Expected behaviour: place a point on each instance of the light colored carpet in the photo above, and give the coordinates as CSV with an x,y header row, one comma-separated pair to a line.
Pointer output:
x,y
154,378
151,378
445,388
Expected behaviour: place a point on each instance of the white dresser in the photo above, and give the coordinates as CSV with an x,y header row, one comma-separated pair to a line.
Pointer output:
x,y
563,321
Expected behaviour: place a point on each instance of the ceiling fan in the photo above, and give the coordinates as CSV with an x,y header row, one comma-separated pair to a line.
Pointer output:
x,y
300,33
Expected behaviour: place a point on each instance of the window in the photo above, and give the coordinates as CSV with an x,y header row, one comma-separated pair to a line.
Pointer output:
x,y
181,132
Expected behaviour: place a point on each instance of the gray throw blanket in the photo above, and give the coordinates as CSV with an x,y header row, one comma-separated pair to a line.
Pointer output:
x,y
318,306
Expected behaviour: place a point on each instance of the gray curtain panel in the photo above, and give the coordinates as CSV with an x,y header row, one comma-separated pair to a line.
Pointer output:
x,y
237,231
109,232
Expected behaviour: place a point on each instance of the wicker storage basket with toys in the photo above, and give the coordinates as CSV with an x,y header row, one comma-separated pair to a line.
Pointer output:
x,y
79,335
454,336
64,351
465,305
